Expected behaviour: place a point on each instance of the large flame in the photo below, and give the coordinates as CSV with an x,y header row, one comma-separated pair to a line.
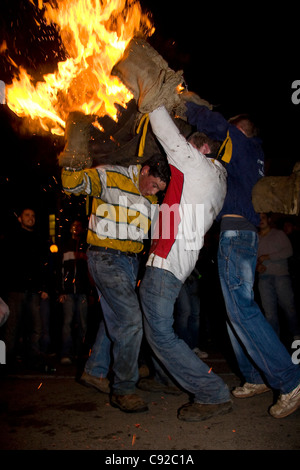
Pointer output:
x,y
94,34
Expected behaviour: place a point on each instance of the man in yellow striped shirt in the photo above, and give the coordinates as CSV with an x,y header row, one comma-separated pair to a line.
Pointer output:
x,y
119,222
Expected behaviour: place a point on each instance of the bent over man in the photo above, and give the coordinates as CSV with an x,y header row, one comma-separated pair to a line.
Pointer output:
x,y
120,220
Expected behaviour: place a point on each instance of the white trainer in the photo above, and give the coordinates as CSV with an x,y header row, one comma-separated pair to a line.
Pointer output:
x,y
286,404
249,390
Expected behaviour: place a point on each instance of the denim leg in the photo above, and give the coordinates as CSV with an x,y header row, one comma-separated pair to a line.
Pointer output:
x,y
33,300
236,261
158,292
115,277
98,363
183,313
68,314
187,318
250,371
15,302
194,320
82,313
45,319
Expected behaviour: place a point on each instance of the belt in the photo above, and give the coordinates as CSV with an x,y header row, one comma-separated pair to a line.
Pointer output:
x,y
104,249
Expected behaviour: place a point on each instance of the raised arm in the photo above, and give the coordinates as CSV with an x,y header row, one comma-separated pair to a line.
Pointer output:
x,y
174,143
81,181
210,122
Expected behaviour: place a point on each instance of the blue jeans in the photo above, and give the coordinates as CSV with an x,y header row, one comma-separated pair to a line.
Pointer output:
x,y
158,292
274,291
258,349
187,318
75,308
24,314
98,363
115,278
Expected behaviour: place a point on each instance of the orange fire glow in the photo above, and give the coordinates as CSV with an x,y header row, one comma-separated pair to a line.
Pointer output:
x,y
94,34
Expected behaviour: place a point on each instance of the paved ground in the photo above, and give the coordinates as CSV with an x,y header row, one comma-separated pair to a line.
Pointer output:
x,y
55,412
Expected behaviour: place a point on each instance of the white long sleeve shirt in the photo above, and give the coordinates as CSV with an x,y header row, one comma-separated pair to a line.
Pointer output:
x,y
194,198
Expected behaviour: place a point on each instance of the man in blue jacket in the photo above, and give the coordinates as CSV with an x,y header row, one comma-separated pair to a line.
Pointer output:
x,y
258,350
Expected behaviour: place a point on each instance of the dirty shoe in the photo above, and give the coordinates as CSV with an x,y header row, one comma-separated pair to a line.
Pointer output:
x,y
100,383
249,390
286,404
200,411
131,403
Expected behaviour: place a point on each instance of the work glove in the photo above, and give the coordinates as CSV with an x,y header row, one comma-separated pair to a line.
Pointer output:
x,y
76,153
189,96
147,75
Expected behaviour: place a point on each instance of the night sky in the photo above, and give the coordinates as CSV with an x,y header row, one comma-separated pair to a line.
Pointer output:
x,y
241,58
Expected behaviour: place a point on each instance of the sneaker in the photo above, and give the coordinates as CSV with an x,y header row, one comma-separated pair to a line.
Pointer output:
x,y
200,354
286,404
130,403
249,390
193,412
100,383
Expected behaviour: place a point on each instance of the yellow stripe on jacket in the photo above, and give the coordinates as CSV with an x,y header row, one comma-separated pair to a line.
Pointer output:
x,y
121,216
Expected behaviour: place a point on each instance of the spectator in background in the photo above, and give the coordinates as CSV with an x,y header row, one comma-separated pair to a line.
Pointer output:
x,y
274,281
74,294
25,266
292,231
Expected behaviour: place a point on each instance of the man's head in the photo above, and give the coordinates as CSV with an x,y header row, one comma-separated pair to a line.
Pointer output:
x,y
154,176
265,221
27,219
76,229
204,144
244,124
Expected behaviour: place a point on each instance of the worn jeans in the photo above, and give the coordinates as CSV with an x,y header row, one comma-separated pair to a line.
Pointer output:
x,y
258,349
158,292
25,319
98,363
274,291
75,309
115,278
187,317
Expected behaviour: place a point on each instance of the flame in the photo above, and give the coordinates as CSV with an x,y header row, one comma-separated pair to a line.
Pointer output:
x,y
94,34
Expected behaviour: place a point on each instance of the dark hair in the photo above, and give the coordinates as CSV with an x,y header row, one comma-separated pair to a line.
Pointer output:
x,y
245,122
158,167
199,139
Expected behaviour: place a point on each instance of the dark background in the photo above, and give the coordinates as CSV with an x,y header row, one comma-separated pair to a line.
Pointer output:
x,y
241,57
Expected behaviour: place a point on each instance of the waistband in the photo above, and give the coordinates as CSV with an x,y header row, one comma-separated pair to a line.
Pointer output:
x,y
104,249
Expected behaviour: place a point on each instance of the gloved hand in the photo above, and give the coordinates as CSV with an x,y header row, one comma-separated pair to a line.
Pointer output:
x,y
184,97
76,153
147,75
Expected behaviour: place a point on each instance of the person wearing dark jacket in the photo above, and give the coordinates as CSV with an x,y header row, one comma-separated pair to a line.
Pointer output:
x,y
74,294
257,347
25,266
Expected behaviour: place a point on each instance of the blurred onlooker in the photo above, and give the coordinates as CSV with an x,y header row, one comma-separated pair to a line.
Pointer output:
x,y
292,231
274,281
25,266
74,293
